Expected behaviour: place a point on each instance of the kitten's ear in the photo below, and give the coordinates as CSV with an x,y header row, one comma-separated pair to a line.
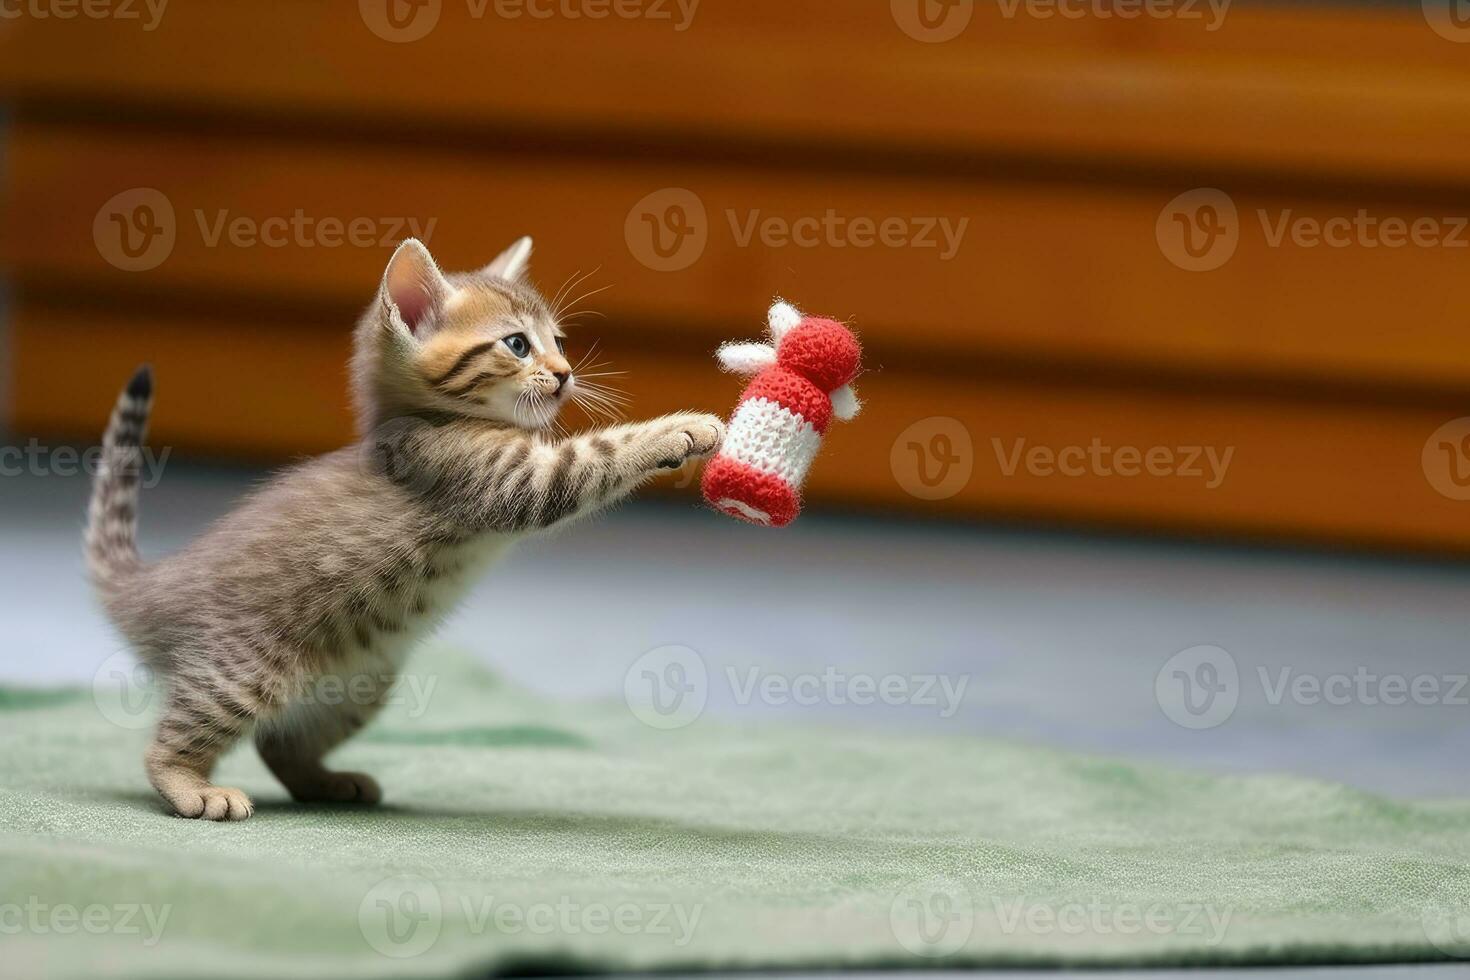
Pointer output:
x,y
414,289
513,262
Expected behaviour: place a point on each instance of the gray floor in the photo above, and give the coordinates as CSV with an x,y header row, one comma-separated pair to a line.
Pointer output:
x,y
1058,639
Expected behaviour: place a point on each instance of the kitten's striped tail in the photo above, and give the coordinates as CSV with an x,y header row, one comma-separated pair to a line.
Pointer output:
x,y
112,517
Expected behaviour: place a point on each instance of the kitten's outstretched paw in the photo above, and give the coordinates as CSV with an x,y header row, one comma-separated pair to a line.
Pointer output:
x,y
706,433
212,803
339,787
695,437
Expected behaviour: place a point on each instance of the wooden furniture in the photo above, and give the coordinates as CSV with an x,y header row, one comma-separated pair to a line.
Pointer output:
x,y
1063,318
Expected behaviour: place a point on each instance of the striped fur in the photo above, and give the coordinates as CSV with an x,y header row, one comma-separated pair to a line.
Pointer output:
x,y
333,570
111,541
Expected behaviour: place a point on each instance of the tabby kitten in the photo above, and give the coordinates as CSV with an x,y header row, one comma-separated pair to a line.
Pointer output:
x,y
332,571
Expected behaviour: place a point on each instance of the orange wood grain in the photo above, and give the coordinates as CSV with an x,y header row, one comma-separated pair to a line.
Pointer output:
x,y
1344,91
1049,273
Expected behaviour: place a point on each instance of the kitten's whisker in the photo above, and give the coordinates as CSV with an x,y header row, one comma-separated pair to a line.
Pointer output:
x,y
587,356
567,287
594,404
605,390
562,288
587,295
564,305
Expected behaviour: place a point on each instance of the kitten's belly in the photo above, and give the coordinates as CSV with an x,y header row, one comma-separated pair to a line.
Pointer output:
x,y
380,643
464,565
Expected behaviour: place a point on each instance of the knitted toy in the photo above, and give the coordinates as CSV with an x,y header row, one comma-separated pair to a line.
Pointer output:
x,y
802,379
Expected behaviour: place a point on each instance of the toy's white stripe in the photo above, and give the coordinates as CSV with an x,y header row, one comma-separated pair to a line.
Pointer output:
x,y
772,438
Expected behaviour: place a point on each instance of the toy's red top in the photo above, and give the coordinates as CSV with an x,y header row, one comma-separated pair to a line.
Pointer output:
x,y
822,351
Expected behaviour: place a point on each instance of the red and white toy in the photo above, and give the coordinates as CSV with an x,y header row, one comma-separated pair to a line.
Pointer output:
x,y
803,378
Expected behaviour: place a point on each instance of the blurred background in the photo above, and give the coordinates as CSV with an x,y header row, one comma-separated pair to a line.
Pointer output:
x,y
1164,310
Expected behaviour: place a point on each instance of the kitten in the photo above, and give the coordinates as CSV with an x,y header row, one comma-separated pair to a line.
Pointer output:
x,y
332,571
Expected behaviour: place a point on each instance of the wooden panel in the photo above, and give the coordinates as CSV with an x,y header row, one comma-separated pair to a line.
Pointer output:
x,y
1340,91
1304,469
1045,272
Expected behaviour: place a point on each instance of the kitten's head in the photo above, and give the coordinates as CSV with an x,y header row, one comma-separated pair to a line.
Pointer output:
x,y
483,344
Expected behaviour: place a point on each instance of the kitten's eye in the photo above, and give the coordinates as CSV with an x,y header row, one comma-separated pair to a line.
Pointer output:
x,y
518,344
561,345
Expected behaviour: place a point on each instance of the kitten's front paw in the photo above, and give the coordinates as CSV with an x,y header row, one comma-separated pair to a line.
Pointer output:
x,y
211,803
706,433
694,437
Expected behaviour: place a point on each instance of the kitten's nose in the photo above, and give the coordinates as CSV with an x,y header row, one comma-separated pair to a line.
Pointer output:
x,y
561,379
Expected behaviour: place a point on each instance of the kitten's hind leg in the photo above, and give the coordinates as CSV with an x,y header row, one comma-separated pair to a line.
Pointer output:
x,y
193,733
294,747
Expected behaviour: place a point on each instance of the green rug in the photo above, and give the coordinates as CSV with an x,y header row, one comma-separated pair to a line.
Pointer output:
x,y
522,836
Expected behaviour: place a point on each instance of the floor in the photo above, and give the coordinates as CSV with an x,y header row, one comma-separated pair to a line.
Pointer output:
x,y
1086,643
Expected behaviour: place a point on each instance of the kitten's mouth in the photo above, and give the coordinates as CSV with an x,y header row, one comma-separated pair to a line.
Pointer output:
x,y
543,407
